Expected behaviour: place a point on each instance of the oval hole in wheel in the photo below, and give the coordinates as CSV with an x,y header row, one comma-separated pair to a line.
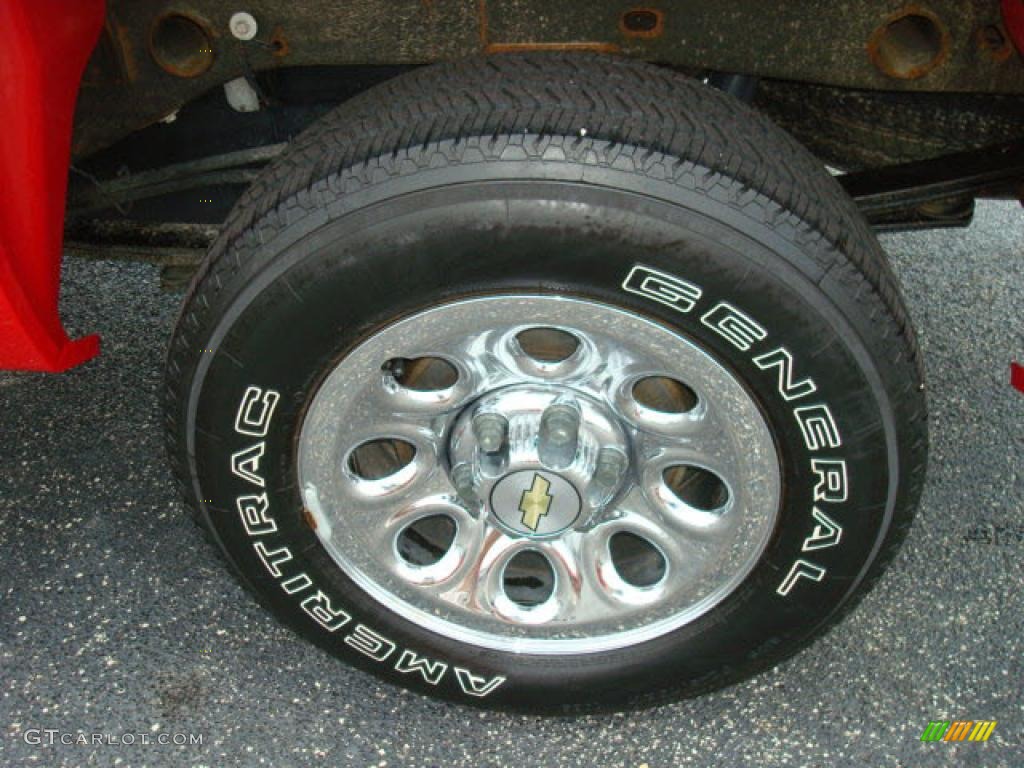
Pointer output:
x,y
547,345
697,487
663,394
427,540
637,561
528,579
383,457
422,374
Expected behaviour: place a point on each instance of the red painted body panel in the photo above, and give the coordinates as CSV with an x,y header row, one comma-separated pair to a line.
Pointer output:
x,y
44,45
1013,19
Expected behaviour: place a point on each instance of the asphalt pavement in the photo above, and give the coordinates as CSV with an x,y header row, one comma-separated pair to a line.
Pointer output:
x,y
118,622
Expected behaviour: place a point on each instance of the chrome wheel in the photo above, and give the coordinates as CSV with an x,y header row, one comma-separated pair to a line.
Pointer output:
x,y
539,474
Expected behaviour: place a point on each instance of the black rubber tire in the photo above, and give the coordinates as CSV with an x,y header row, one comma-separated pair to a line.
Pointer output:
x,y
555,173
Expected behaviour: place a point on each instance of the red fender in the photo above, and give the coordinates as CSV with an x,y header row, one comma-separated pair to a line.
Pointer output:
x,y
1013,20
44,46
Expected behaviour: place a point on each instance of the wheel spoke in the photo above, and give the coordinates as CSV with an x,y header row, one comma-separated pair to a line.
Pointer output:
x,y
573,585
480,579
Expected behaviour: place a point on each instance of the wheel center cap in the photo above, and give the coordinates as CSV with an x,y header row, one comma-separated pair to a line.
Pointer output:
x,y
538,459
535,503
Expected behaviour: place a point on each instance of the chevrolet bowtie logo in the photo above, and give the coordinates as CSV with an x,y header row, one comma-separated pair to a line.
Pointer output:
x,y
535,502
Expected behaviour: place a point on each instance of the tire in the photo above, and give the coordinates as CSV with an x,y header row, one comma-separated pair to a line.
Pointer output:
x,y
643,214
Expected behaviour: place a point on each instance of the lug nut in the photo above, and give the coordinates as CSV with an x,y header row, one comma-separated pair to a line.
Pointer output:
x,y
462,479
559,434
611,465
491,430
561,422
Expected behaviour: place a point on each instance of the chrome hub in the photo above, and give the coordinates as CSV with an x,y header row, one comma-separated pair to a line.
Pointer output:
x,y
539,459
